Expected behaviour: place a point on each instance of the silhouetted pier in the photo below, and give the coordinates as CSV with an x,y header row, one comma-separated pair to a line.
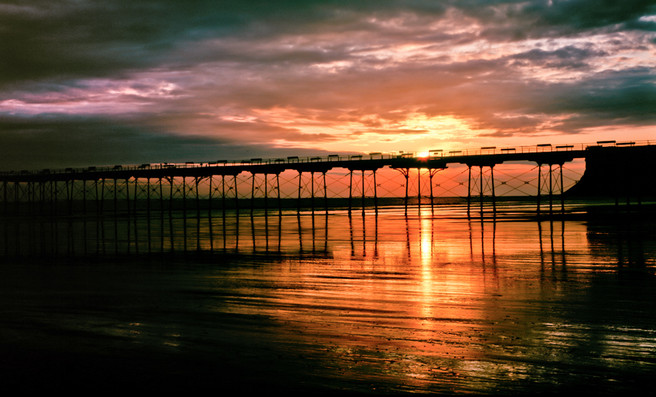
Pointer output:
x,y
213,185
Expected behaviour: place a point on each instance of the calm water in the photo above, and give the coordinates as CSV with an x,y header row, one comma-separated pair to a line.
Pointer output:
x,y
431,302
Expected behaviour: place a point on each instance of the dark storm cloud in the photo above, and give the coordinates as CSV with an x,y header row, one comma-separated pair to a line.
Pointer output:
x,y
52,141
65,39
588,14
78,141
516,20
609,98
569,57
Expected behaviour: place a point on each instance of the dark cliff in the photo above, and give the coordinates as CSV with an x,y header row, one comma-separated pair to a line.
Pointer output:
x,y
618,172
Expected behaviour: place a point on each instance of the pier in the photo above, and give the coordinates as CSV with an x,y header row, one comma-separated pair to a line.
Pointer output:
x,y
215,185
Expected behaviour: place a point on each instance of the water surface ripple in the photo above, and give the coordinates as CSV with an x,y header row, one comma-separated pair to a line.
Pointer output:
x,y
428,302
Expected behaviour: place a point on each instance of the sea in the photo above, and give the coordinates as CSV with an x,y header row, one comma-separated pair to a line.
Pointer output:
x,y
447,299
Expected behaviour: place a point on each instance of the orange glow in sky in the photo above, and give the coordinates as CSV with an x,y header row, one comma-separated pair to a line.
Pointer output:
x,y
235,81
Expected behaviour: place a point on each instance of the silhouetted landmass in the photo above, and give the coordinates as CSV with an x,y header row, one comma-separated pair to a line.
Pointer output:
x,y
618,172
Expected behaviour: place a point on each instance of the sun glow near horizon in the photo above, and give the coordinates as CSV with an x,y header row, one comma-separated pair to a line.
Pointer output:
x,y
390,132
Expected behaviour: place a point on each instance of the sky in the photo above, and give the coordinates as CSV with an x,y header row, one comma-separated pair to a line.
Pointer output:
x,y
113,82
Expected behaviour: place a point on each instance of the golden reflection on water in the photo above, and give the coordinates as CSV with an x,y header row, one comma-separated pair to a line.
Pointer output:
x,y
424,302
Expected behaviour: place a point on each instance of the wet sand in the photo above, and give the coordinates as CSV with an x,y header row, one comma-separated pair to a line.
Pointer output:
x,y
385,305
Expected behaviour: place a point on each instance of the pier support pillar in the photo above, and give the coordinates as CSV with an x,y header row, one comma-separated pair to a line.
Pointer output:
x,y
325,192
480,182
312,190
375,193
266,193
234,180
539,187
350,199
419,189
363,193
300,184
407,182
494,195
468,189
252,192
562,190
278,192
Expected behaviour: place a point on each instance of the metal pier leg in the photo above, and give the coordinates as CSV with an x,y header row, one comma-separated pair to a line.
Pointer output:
x,y
550,188
363,192
325,192
430,180
184,214
298,203
95,188
468,189
53,197
494,197
84,198
98,220
136,229
266,193
161,196
480,182
252,192
197,180
209,214
278,189
127,219
539,187
375,193
136,187
209,200
161,214
148,212
312,190
84,214
236,194
223,197
170,179
69,195
562,190
127,195
407,182
350,190
419,189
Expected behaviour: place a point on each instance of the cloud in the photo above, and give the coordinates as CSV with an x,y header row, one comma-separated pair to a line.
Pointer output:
x,y
609,98
53,141
588,14
322,75
568,57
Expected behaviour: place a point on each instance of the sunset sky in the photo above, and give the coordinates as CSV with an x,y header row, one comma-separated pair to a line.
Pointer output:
x,y
108,82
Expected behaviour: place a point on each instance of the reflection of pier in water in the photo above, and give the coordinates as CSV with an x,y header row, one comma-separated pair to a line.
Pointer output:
x,y
259,233
368,236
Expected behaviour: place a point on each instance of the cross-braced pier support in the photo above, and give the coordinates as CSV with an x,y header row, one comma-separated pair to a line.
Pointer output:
x,y
363,188
314,188
484,182
551,182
